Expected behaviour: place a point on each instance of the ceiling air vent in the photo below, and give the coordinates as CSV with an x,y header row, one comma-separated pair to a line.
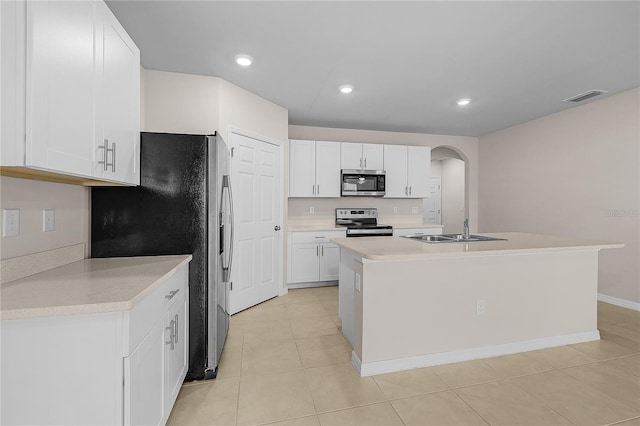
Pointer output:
x,y
584,96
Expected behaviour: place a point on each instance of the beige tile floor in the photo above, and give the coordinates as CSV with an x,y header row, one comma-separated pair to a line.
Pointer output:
x,y
286,362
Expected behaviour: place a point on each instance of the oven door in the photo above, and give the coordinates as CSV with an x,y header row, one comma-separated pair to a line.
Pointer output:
x,y
365,183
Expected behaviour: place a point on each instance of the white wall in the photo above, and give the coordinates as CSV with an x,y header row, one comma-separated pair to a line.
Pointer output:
x,y
573,173
71,205
467,147
453,179
180,103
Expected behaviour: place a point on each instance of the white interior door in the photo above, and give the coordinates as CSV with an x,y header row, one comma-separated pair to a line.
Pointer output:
x,y
433,204
256,180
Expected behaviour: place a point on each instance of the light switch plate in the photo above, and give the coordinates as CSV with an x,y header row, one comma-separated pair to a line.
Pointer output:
x,y
10,222
48,220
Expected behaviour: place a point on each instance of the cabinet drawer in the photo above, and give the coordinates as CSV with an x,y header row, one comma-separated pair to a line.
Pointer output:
x,y
153,308
316,237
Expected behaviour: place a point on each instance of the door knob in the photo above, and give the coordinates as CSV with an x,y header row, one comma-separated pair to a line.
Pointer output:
x,y
276,228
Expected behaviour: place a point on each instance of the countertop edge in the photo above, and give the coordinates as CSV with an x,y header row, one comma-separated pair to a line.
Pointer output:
x,y
92,308
578,246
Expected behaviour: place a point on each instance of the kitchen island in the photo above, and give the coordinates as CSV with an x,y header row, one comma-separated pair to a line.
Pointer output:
x,y
407,304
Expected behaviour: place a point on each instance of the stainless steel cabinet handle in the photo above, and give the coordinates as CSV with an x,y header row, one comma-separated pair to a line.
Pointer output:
x,y
318,251
172,294
318,191
409,190
314,190
175,334
406,190
105,162
365,163
360,162
104,153
276,228
171,334
323,250
113,158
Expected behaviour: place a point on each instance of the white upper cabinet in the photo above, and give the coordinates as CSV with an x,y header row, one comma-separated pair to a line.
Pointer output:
x,y
314,169
60,86
367,156
395,160
408,171
419,171
120,101
80,87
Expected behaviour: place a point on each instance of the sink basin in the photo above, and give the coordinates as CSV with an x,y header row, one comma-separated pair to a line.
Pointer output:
x,y
451,238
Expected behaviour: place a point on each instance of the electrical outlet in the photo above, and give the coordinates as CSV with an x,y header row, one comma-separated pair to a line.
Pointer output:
x,y
48,220
312,210
480,307
10,222
395,209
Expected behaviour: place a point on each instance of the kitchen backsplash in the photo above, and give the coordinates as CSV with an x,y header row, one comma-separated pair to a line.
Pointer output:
x,y
325,207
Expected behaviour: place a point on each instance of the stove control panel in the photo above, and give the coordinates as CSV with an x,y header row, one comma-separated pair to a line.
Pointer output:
x,y
357,213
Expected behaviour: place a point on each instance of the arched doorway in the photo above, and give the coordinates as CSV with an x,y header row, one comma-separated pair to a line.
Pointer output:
x,y
448,204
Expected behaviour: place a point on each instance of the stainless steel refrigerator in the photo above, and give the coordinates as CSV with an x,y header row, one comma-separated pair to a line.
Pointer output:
x,y
183,206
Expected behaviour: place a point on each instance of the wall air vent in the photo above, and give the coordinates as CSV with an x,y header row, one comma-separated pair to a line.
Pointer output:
x,y
584,96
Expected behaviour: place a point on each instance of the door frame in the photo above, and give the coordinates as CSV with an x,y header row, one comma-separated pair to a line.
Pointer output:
x,y
282,289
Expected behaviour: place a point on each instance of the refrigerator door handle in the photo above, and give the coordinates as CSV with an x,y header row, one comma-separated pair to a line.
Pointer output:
x,y
226,270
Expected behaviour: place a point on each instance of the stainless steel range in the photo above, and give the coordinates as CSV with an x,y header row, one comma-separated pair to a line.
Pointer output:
x,y
362,222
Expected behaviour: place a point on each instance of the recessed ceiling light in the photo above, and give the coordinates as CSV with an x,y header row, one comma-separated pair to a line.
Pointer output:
x,y
244,60
463,101
346,88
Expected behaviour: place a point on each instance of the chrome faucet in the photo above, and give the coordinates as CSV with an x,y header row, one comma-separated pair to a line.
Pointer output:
x,y
465,229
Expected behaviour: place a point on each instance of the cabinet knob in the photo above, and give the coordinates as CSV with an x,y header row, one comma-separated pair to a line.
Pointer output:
x,y
276,228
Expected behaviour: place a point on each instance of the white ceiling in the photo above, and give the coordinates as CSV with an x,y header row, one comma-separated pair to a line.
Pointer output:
x,y
409,61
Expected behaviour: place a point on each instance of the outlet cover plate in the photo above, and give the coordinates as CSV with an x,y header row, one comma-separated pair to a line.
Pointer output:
x,y
48,220
10,222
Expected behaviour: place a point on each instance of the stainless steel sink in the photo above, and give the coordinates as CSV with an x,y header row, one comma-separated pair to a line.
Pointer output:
x,y
451,238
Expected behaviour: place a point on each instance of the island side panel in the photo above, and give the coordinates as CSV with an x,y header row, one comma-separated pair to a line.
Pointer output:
x,y
346,293
428,306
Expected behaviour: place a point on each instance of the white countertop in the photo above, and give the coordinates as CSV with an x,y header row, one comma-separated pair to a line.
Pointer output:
x,y
87,286
398,248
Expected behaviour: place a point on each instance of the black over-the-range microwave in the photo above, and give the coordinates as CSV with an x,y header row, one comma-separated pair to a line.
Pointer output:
x,y
362,183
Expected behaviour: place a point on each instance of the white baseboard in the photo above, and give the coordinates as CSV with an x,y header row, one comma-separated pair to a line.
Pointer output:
x,y
619,302
313,284
392,365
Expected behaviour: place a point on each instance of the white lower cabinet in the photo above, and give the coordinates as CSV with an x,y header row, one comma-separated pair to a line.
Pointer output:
x,y
122,367
312,257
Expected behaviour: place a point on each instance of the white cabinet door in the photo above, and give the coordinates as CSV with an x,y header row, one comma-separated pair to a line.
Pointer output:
x,y
373,156
144,383
119,103
351,155
305,260
302,168
418,171
175,351
395,160
327,169
329,262
61,78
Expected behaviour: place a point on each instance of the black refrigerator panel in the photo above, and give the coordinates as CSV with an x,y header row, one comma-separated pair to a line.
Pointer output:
x,y
166,214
